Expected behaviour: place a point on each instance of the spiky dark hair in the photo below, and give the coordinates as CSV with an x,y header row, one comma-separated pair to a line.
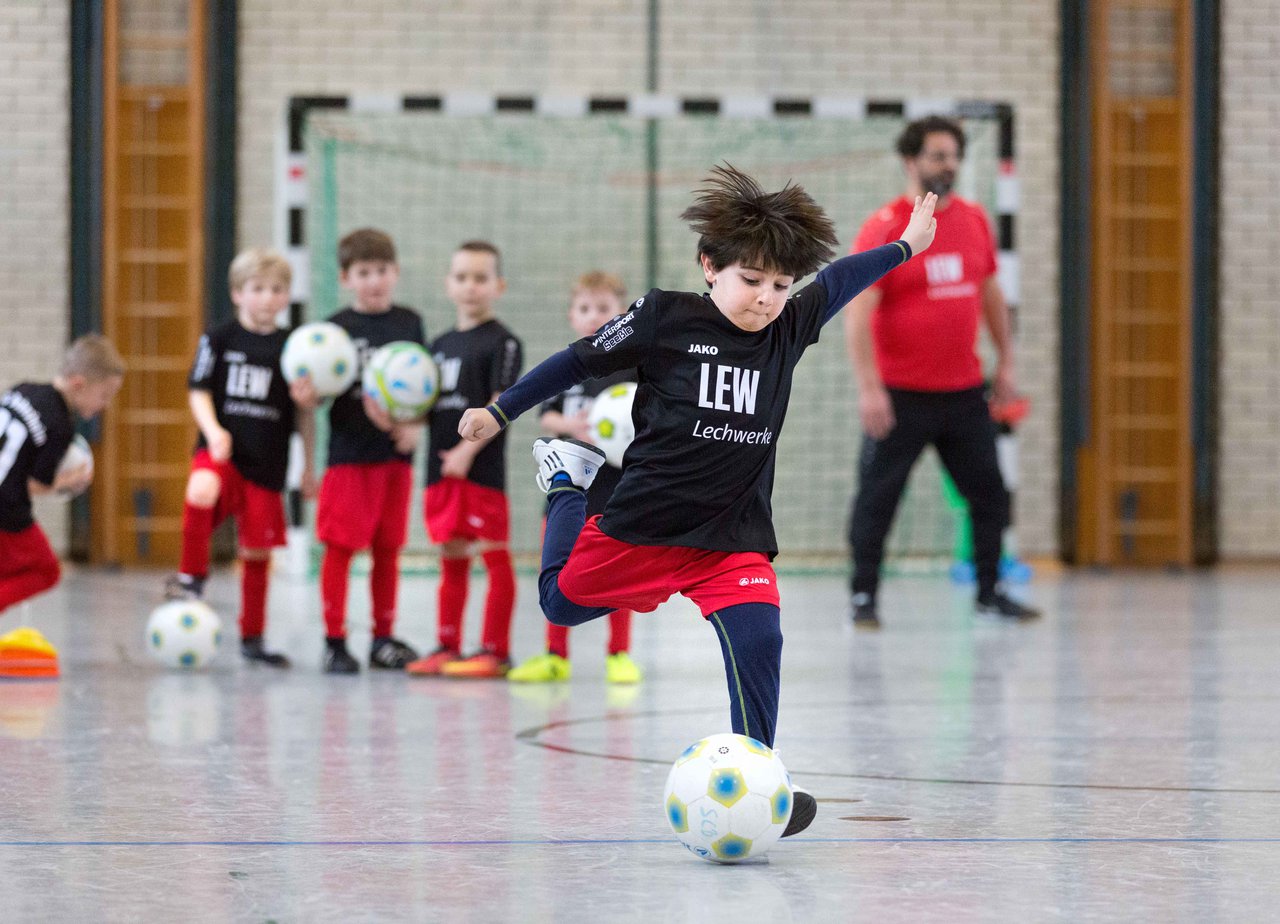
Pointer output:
x,y
738,222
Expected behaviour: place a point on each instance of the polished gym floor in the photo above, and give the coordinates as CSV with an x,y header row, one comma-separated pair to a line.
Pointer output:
x,y
1116,760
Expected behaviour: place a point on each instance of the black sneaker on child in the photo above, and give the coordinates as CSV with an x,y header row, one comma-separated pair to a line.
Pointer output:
x,y
804,808
999,606
865,614
183,587
390,654
337,660
252,650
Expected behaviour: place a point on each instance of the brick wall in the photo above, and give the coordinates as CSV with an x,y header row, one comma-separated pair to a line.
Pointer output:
x,y
34,120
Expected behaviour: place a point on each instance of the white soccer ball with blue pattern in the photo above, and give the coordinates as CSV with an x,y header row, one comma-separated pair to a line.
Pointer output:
x,y
402,379
184,634
323,351
612,428
728,798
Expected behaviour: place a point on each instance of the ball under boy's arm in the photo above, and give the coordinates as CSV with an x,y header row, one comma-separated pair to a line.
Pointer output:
x,y
849,275
555,374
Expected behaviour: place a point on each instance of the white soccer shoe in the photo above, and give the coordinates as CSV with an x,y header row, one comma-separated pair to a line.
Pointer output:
x,y
579,460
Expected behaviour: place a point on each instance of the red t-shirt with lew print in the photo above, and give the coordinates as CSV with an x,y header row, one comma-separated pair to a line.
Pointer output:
x,y
925,328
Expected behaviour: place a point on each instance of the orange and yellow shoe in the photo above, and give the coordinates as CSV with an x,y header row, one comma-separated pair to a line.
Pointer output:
x,y
24,652
482,665
431,665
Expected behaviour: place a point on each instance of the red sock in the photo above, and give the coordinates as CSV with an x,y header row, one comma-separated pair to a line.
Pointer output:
x,y
253,597
558,640
454,574
500,602
334,572
197,528
384,578
619,631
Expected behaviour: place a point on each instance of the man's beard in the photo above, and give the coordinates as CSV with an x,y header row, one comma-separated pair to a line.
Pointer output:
x,y
939,184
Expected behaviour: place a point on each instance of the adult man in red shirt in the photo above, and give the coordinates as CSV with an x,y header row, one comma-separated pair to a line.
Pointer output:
x,y
912,338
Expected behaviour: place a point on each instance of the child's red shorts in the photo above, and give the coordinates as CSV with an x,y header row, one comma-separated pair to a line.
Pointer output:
x,y
365,504
455,508
259,511
603,571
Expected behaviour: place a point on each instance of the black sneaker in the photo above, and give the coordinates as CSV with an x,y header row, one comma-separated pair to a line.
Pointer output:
x,y
865,614
390,654
804,808
183,587
252,650
337,660
999,606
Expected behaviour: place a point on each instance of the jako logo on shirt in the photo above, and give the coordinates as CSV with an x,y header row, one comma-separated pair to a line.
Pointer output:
x,y
747,582
944,268
703,348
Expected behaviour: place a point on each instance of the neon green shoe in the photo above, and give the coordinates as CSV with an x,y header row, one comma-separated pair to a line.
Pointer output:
x,y
619,668
543,668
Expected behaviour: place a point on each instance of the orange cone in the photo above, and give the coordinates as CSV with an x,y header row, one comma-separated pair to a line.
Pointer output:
x,y
24,652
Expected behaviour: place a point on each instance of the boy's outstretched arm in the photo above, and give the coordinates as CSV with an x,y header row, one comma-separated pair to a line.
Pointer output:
x,y
848,276
556,374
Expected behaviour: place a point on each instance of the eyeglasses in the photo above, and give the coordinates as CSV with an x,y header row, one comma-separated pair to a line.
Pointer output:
x,y
940,157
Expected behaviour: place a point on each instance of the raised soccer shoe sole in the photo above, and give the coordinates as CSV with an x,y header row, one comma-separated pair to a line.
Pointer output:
x,y
804,808
580,461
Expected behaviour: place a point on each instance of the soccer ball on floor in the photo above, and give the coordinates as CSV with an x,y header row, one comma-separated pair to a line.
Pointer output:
x,y
323,351
184,634
402,379
728,798
610,418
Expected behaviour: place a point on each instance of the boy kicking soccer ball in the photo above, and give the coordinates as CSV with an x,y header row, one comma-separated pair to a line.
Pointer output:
x,y
693,512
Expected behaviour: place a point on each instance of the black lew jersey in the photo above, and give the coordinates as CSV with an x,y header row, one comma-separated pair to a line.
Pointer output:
x,y
352,435
474,365
580,398
241,370
708,413
35,430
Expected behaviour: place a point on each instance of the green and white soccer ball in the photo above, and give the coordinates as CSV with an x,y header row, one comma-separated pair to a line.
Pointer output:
x,y
612,428
323,351
184,634
402,379
78,456
728,798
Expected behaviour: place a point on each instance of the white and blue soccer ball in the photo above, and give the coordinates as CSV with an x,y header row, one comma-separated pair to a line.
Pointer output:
x,y
728,798
612,428
79,456
402,379
184,634
323,351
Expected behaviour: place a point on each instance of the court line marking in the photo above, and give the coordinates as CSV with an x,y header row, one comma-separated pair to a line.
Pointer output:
x,y
531,735
666,842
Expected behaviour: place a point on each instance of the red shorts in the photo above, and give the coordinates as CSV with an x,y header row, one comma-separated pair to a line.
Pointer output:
x,y
259,511
455,508
365,504
27,551
603,571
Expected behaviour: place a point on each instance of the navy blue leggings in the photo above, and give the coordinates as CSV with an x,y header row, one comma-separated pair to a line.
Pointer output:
x,y
750,633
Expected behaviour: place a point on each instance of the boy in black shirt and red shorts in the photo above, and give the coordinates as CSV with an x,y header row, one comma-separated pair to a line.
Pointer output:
x,y
693,513
465,504
246,415
364,500
36,427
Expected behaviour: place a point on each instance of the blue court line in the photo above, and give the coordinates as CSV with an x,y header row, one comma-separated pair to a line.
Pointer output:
x,y
663,840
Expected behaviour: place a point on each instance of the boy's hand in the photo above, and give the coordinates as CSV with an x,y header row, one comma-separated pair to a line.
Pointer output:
x,y
219,445
876,411
406,437
456,462
310,486
477,424
304,394
922,226
579,427
380,418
